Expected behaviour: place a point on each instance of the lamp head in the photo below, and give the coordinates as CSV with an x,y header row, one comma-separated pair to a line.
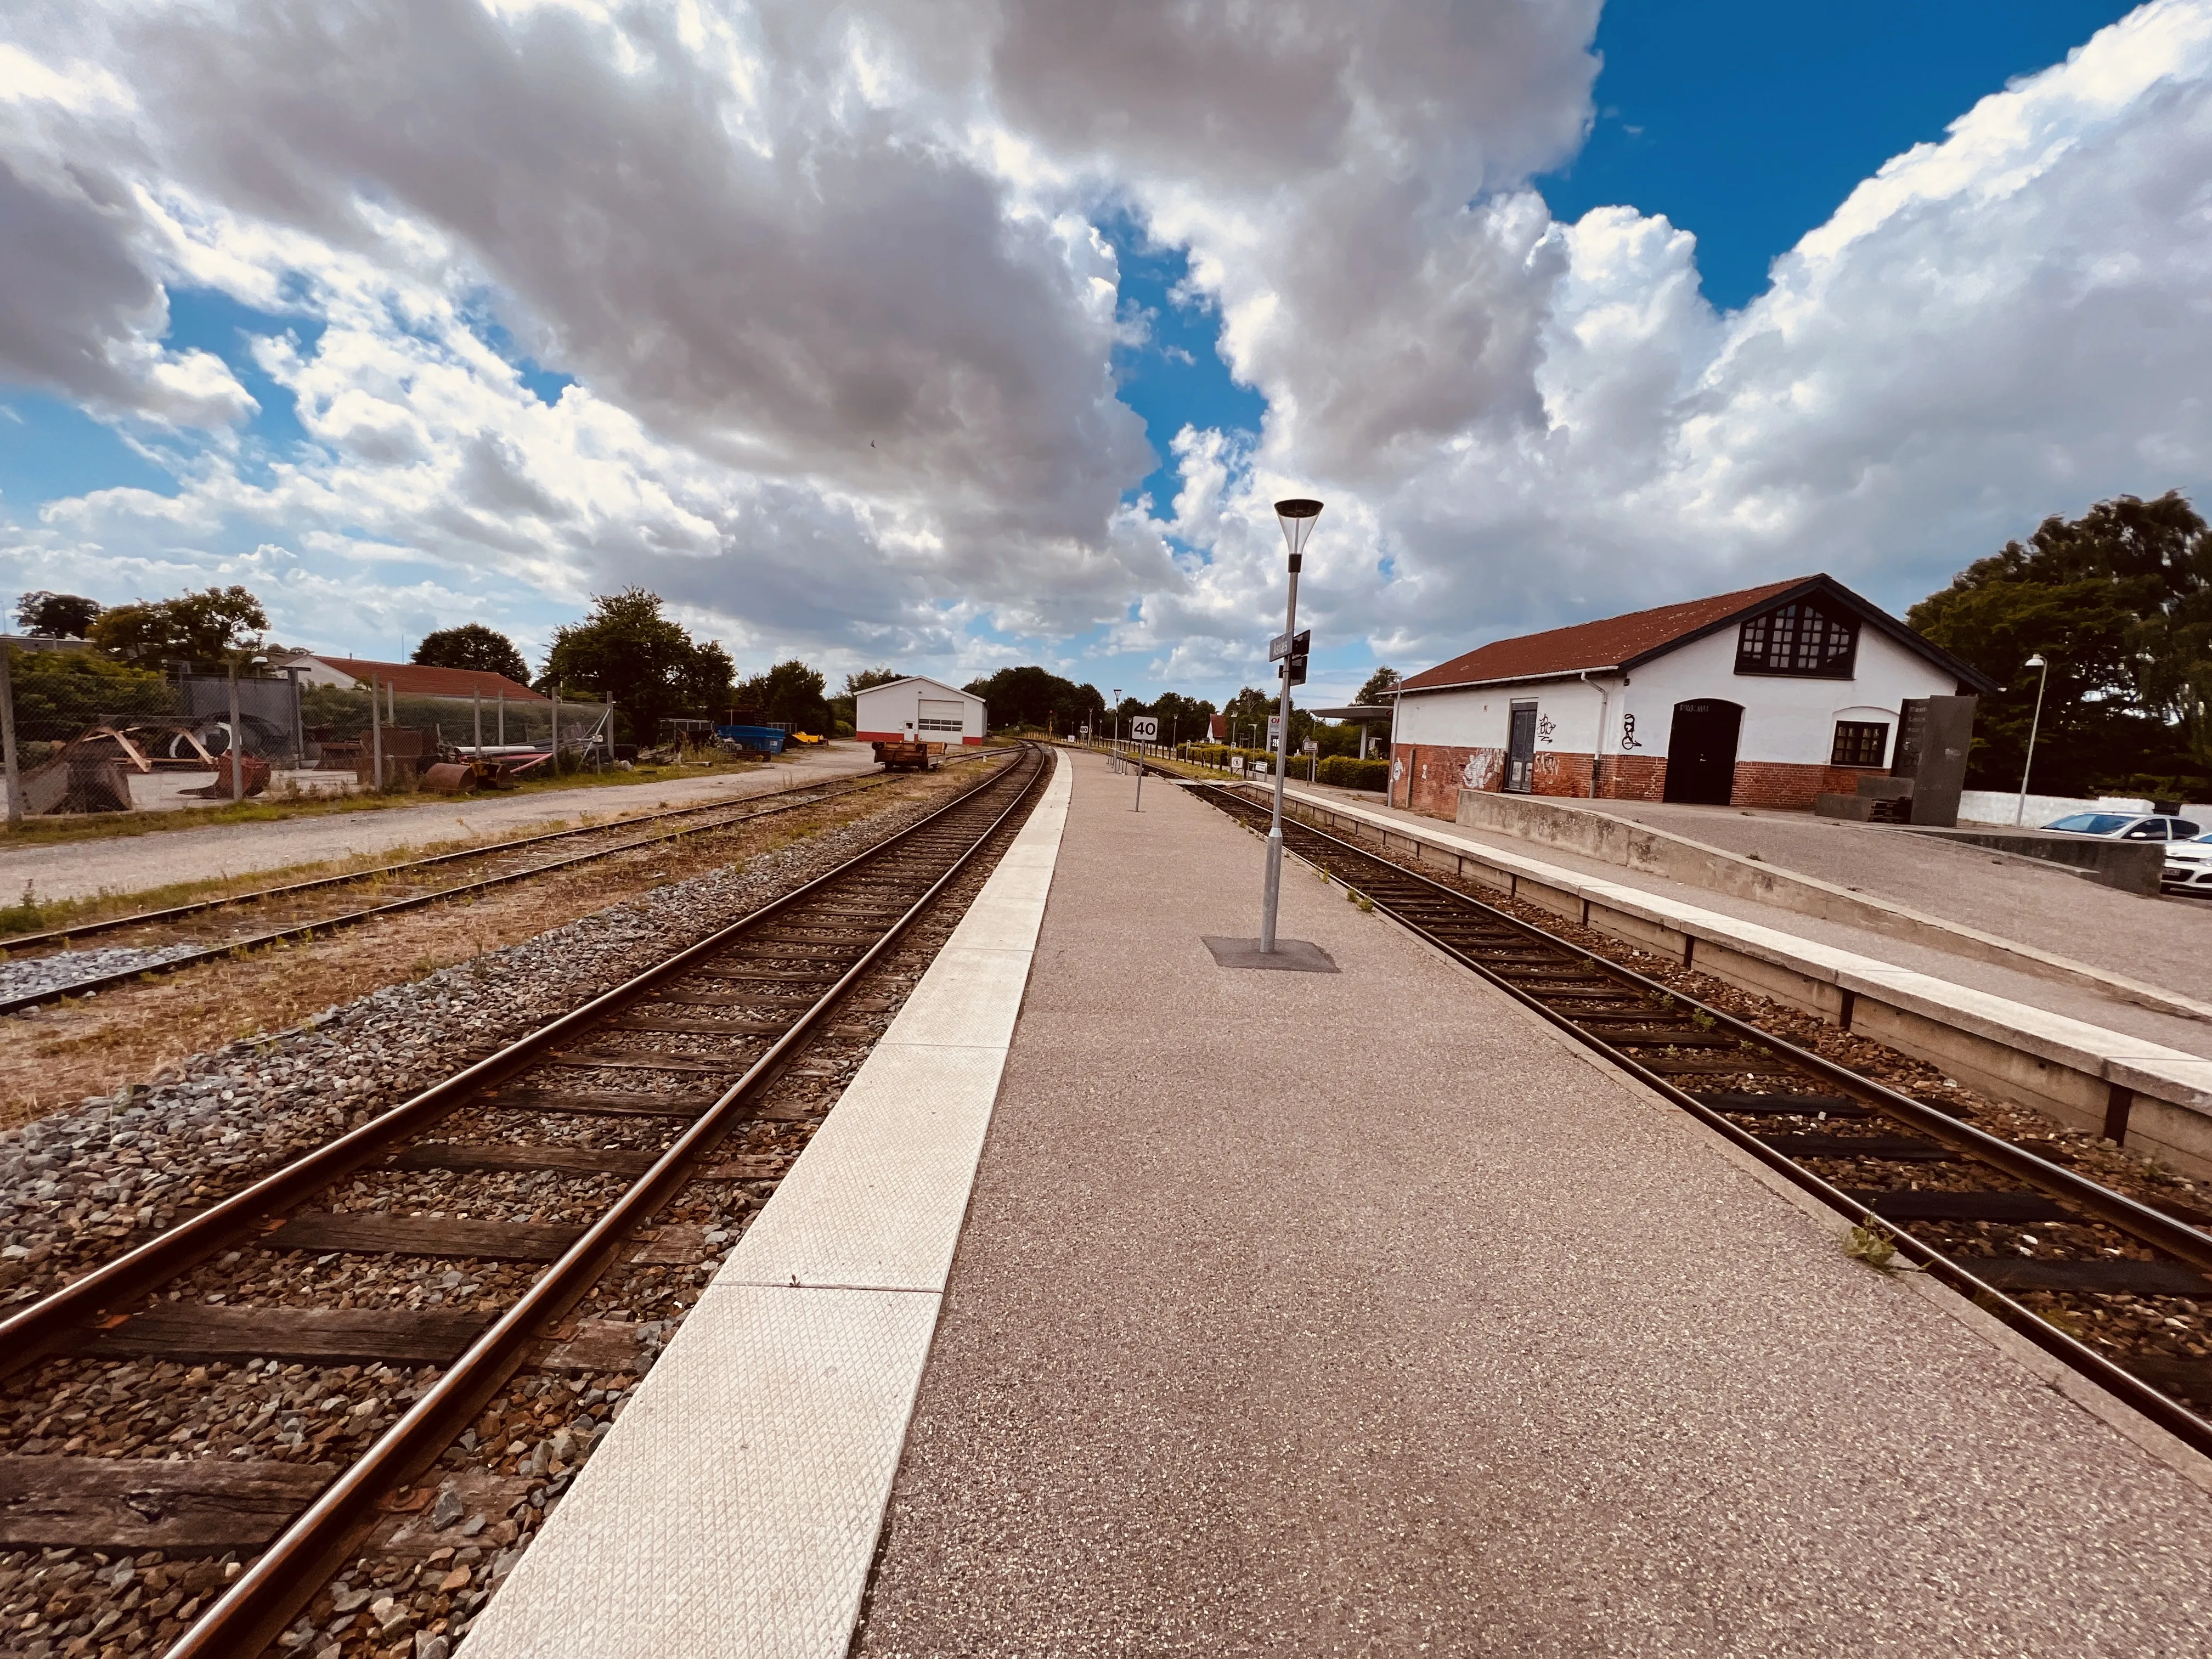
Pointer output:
x,y
1296,517
2035,661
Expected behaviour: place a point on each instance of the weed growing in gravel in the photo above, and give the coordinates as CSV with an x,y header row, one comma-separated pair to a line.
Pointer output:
x,y
24,916
1877,1248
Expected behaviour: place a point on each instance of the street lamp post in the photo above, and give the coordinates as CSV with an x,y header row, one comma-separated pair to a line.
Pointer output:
x,y
2034,725
1296,517
1117,717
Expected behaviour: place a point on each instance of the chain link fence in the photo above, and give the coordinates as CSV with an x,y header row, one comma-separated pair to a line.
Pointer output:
x,y
83,733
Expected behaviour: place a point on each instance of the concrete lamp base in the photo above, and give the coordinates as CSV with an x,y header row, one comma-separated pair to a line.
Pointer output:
x,y
1291,956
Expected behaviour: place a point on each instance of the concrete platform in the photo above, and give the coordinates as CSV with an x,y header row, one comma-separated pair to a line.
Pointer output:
x,y
1321,1313
1324,1314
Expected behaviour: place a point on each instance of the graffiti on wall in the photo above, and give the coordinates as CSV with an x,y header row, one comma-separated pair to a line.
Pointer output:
x,y
1482,770
1628,738
1547,729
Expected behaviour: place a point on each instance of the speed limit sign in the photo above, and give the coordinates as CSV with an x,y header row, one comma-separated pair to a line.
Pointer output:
x,y
1144,729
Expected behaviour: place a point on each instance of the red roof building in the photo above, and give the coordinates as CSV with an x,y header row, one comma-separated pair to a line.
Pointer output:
x,y
410,679
1766,696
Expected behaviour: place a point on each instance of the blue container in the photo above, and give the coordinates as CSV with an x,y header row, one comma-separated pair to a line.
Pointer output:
x,y
767,740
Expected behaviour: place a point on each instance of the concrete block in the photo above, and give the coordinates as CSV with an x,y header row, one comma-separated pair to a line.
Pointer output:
x,y
1652,936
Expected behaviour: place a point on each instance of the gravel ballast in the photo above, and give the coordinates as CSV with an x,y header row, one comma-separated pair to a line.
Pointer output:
x,y
436,1562
77,1185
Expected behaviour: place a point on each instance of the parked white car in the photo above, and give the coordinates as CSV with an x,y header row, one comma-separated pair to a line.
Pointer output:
x,y
2129,826
2188,864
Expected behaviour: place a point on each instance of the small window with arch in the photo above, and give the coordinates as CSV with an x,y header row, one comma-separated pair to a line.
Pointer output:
x,y
1859,743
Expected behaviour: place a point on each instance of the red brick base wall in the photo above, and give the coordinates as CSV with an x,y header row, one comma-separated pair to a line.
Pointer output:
x,y
1436,773
1778,784
1634,777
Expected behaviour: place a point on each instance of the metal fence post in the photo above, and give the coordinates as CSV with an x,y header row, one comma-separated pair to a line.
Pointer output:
x,y
8,736
376,736
237,743
476,694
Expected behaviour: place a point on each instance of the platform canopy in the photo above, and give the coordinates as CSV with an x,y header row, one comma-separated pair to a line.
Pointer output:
x,y
1365,714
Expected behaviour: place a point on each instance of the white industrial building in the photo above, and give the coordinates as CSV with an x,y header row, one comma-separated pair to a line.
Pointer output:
x,y
918,710
1765,697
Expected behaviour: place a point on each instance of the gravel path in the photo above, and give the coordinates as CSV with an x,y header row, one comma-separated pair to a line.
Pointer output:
x,y
128,864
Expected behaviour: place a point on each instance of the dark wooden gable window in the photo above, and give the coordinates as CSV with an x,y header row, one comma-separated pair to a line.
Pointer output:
x,y
1802,637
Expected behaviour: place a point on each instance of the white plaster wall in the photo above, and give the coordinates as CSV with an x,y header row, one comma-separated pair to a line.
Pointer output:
x,y
893,708
1566,715
1785,718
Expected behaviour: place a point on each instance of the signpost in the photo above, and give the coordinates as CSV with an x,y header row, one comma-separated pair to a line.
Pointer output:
x,y
1143,728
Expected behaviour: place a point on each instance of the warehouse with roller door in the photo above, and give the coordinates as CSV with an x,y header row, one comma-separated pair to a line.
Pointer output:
x,y
918,710
1770,696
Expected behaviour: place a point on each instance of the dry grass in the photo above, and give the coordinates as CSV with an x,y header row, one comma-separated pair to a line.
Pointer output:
x,y
32,914
54,1056
103,826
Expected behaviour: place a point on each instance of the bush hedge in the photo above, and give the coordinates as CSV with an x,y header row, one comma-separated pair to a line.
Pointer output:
x,y
1350,772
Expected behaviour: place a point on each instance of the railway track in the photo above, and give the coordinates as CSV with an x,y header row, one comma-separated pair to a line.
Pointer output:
x,y
210,929
2061,1258
327,1335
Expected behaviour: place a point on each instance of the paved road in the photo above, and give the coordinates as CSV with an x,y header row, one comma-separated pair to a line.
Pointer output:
x,y
129,864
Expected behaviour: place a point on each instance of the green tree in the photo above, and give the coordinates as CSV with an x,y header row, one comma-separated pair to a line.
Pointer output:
x,y
791,693
2118,602
472,645
217,624
1034,696
647,662
56,615
1379,685
59,693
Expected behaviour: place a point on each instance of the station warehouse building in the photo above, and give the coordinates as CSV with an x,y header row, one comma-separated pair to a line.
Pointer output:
x,y
1766,698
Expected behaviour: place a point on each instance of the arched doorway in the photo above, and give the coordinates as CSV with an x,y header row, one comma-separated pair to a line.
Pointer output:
x,y
1701,751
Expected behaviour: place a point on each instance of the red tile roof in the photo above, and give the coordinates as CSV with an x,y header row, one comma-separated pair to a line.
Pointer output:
x,y
413,679
1594,645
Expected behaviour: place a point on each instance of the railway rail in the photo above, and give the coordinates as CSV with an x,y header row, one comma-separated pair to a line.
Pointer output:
x,y
1985,1216
201,925
536,1171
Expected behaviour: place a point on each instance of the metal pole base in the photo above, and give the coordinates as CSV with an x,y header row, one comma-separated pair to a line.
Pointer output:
x,y
1273,890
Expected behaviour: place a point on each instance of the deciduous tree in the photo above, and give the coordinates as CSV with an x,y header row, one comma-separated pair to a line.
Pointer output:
x,y
647,662
56,615
217,624
2119,604
472,645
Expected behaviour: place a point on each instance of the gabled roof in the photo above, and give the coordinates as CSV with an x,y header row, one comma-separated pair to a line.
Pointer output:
x,y
919,679
414,679
1617,644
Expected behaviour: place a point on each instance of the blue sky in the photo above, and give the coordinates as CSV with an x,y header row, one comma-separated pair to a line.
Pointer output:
x,y
1746,123
1518,423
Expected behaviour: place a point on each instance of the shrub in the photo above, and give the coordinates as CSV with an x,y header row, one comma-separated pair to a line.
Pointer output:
x,y
1350,772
